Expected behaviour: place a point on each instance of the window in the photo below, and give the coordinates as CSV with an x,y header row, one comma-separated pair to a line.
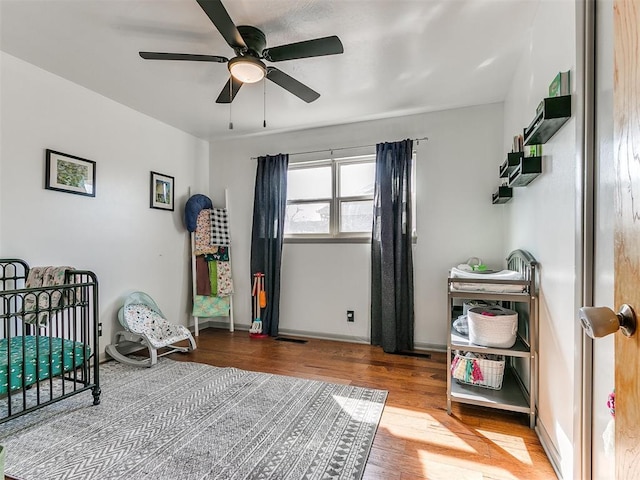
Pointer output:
x,y
330,199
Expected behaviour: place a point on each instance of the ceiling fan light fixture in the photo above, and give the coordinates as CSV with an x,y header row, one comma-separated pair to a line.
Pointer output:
x,y
247,69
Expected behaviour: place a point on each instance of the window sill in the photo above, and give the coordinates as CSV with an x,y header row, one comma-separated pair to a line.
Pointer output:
x,y
322,240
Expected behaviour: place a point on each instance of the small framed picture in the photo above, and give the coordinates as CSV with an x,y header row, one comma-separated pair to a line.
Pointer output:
x,y
161,191
71,174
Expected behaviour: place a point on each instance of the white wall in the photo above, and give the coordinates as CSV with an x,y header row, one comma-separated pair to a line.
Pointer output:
x,y
127,244
456,174
542,220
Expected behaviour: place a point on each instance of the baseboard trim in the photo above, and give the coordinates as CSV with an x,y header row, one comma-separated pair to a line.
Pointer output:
x,y
430,347
549,448
288,332
324,336
418,346
218,325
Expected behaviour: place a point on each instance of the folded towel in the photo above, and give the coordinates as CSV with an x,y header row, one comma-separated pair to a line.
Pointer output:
x,y
501,275
461,325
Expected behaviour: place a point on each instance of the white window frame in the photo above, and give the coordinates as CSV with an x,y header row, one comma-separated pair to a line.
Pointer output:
x,y
334,235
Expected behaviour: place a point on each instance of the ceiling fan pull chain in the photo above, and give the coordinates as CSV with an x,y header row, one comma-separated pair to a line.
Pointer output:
x,y
231,102
264,103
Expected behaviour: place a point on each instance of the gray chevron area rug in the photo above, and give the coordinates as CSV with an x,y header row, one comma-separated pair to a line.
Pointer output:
x,y
182,421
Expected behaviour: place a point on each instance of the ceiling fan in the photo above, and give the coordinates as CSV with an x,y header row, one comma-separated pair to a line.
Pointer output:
x,y
249,44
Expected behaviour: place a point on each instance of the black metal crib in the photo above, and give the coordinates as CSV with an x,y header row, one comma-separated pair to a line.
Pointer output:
x,y
49,337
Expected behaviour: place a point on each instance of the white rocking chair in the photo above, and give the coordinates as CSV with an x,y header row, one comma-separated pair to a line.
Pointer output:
x,y
145,324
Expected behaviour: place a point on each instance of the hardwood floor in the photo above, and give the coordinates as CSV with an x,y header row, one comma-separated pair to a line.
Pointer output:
x,y
416,439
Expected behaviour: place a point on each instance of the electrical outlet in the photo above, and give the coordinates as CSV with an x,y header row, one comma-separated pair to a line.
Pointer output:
x,y
350,317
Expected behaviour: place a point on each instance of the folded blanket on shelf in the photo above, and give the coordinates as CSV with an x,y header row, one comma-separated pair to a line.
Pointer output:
x,y
486,287
219,227
207,307
218,253
224,281
202,235
212,233
203,284
213,277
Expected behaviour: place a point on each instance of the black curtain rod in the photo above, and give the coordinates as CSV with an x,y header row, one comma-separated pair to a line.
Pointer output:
x,y
417,140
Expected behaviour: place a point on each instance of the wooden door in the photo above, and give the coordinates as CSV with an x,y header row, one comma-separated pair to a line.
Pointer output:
x,y
626,112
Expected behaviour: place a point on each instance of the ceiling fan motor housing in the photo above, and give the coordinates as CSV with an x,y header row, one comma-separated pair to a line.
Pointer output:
x,y
254,38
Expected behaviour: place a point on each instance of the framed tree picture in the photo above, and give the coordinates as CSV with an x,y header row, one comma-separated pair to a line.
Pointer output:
x,y
162,191
71,174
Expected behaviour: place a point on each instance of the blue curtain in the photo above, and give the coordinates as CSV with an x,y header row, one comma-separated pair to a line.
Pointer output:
x,y
269,204
392,317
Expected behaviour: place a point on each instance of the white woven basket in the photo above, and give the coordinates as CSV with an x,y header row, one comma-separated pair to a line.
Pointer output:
x,y
492,326
492,370
469,304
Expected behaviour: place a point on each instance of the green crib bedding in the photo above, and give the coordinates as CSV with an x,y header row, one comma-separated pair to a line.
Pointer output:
x,y
65,354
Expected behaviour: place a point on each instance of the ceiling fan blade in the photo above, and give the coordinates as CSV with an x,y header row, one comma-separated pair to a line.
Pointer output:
x,y
218,15
309,48
183,56
229,91
292,85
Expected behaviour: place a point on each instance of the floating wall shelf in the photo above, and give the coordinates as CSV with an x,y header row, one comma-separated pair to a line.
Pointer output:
x,y
554,113
519,170
511,163
502,195
523,174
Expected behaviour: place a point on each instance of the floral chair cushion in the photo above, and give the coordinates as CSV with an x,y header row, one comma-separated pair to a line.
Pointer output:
x,y
143,320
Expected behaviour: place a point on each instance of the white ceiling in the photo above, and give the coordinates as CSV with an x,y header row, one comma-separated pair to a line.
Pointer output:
x,y
400,56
